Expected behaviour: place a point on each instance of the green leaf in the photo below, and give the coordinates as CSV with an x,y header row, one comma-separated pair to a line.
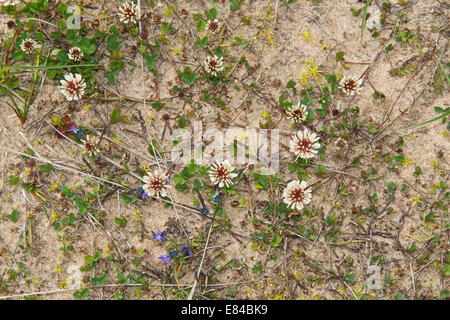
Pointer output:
x,y
45,167
320,171
127,199
291,85
14,180
390,187
339,56
350,278
202,43
157,106
115,116
153,147
13,216
372,129
211,14
235,4
198,184
445,269
82,206
121,222
99,280
188,76
82,294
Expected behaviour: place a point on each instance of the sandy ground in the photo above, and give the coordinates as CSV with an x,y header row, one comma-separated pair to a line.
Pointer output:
x,y
297,268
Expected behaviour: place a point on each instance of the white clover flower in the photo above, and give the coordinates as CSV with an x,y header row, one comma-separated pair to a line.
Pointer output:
x,y
9,26
297,194
213,26
91,144
340,143
213,65
75,54
155,184
221,174
29,45
72,87
350,86
297,113
128,12
304,144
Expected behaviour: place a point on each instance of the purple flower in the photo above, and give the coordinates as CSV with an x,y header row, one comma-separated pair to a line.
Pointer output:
x,y
142,193
78,132
167,257
216,199
203,210
159,236
185,251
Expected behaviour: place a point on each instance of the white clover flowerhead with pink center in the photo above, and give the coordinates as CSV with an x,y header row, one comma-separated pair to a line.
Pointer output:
x,y
29,45
213,26
72,86
297,194
213,65
340,143
91,145
297,113
350,86
128,12
304,144
155,184
221,174
9,26
75,54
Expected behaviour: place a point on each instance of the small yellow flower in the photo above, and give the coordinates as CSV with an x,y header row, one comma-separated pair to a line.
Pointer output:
x,y
54,215
58,268
137,212
177,51
406,161
137,293
433,188
268,34
63,284
168,11
107,249
116,139
435,163
54,186
417,199
307,35
150,117
37,281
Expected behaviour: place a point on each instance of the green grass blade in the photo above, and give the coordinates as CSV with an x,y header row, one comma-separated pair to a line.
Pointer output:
x,y
47,67
16,107
363,24
444,114
443,70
